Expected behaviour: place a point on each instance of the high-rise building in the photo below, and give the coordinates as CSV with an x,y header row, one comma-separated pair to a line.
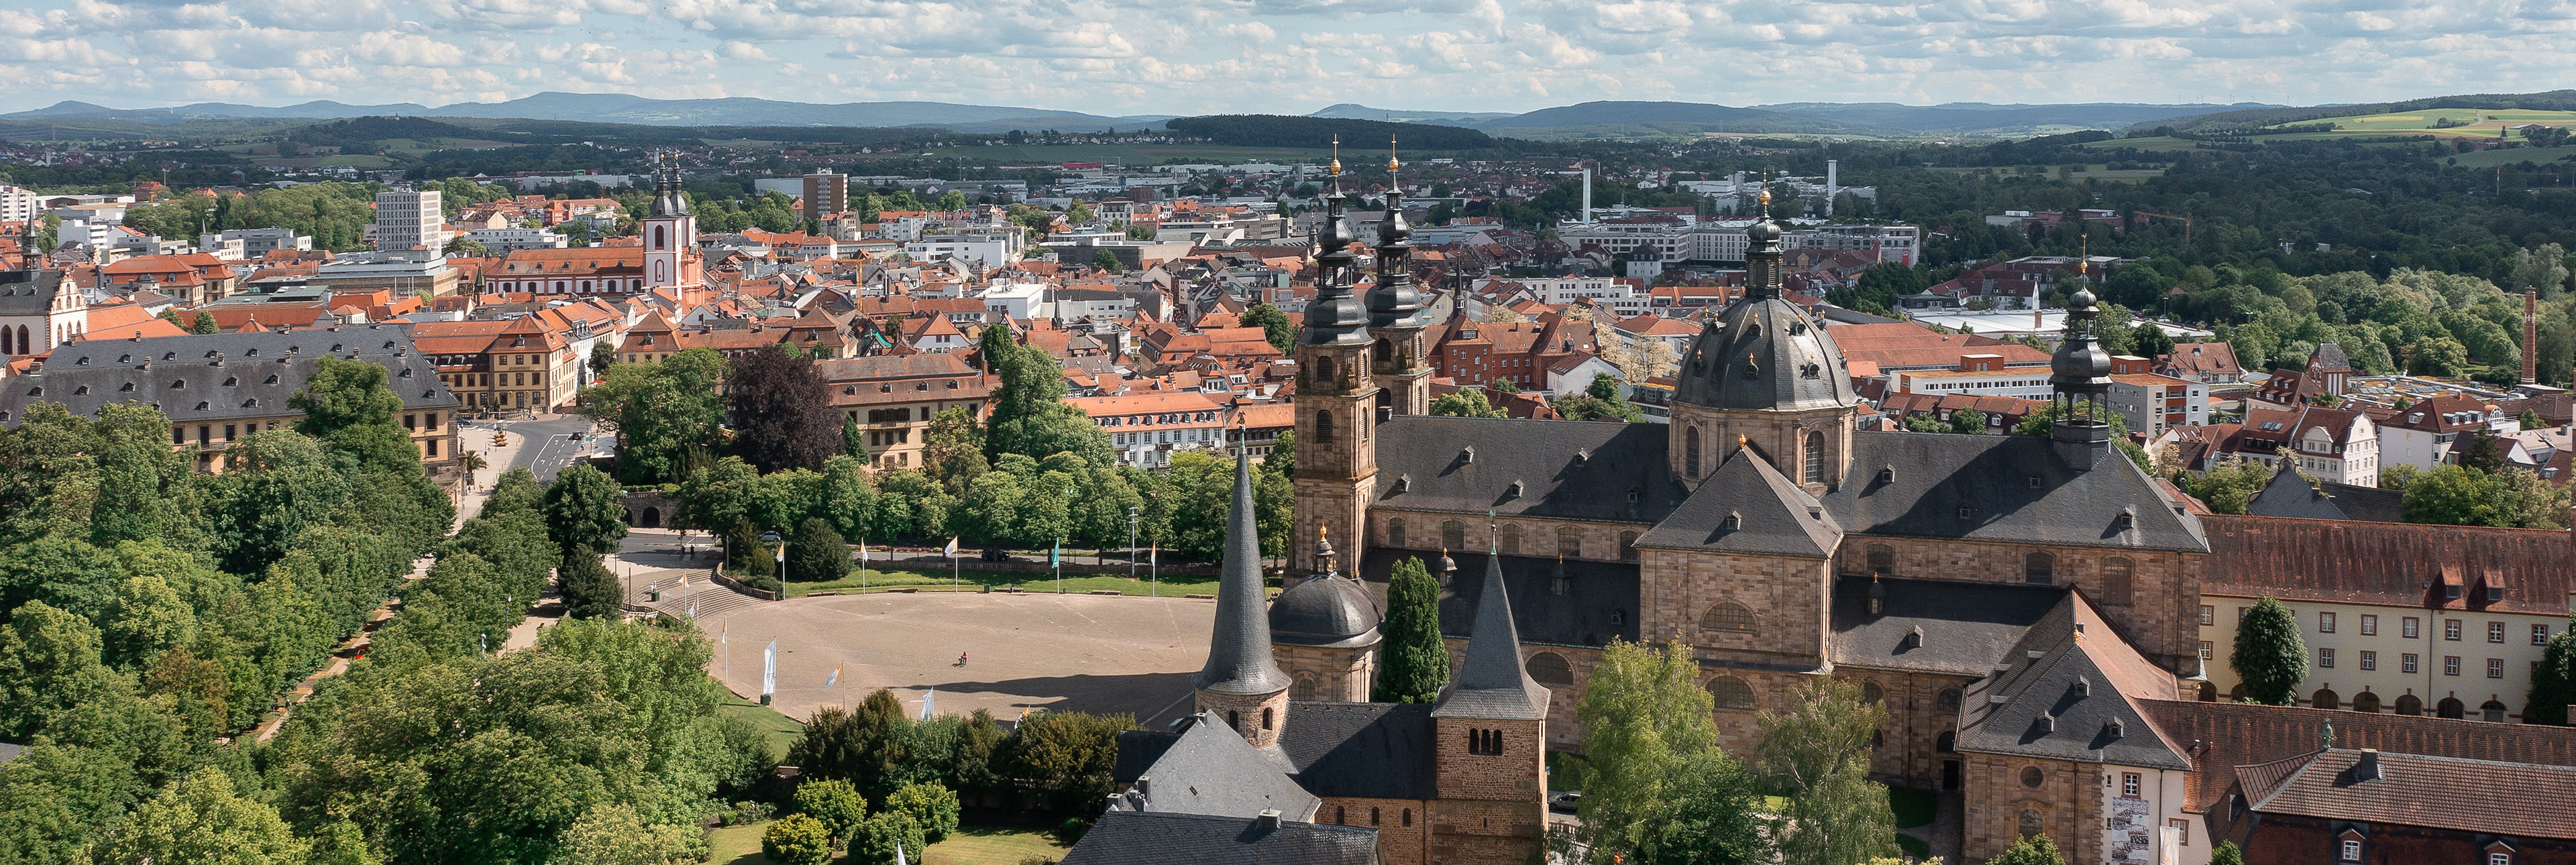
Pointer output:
x,y
408,220
826,193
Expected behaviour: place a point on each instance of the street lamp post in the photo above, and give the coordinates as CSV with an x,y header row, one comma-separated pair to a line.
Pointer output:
x,y
1131,543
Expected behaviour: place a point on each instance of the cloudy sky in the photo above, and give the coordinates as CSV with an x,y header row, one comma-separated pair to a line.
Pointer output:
x,y
1282,56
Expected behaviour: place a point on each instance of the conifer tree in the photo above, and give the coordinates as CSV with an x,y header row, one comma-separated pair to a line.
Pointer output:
x,y
2269,656
1416,665
2553,686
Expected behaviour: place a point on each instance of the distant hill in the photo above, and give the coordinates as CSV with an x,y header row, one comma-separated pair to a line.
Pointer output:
x,y
2553,100
1983,119
1360,136
624,108
1627,119
1356,111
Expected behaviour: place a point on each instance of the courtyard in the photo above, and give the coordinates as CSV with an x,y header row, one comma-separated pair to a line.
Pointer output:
x,y
1068,653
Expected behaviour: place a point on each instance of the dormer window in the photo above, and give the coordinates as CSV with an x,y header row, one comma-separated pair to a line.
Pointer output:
x,y
179,384
1734,520
229,381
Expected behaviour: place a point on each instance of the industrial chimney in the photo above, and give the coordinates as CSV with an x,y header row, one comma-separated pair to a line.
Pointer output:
x,y
2530,335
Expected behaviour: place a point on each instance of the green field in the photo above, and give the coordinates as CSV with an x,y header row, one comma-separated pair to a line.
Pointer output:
x,y
2513,156
2096,171
783,731
971,845
2468,123
2148,144
1171,586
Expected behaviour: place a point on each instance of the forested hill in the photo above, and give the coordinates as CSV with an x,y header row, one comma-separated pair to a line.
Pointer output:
x,y
2554,100
1278,130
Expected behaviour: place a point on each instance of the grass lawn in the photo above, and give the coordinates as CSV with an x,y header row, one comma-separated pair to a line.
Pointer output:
x,y
1913,807
736,845
988,845
975,581
783,730
2512,156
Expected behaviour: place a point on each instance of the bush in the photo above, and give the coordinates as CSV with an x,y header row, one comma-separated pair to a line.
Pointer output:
x,y
589,589
797,840
931,805
1071,830
878,836
834,802
817,554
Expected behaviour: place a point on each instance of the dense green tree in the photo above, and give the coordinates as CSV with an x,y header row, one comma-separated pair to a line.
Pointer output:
x,y
2269,657
202,819
2553,684
849,500
2031,850
719,496
1711,815
1466,402
816,553
854,441
2230,484
2227,854
878,839
953,450
205,324
1967,421
1029,415
1602,400
349,406
835,803
864,747
615,834
146,619
933,807
1275,326
1105,260
603,355
1643,715
1815,749
664,414
584,507
589,589
797,839
782,411
1064,758
1416,663
49,667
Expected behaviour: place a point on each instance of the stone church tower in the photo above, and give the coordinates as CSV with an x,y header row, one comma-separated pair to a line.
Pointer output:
x,y
1400,363
670,234
1336,400
1241,683
1324,631
1764,376
1490,735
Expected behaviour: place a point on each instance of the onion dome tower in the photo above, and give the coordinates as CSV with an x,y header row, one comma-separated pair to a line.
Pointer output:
x,y
1764,375
2079,378
1336,396
1241,683
1397,319
670,231
1324,630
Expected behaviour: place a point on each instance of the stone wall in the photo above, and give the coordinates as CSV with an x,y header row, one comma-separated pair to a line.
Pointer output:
x,y
1492,808
2067,800
1599,541
1403,825
1789,600
1342,675
1246,713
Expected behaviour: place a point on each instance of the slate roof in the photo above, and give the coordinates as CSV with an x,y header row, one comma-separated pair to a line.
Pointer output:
x,y
2289,495
185,376
1763,354
2071,694
1576,470
1746,506
1128,838
1963,627
21,295
1210,769
1600,603
1239,659
2415,790
1361,750
2240,734
2396,564
1490,682
1325,611
1928,476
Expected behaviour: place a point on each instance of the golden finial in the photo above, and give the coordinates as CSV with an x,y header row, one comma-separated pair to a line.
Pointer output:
x,y
2084,254
1766,190
1391,163
1336,167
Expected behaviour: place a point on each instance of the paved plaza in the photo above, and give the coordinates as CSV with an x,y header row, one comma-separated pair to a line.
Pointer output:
x,y
1085,653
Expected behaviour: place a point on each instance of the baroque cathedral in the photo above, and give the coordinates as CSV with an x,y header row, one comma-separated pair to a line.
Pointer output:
x,y
1951,575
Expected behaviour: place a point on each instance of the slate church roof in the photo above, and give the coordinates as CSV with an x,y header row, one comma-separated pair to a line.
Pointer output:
x,y
1595,603
1127,837
2014,489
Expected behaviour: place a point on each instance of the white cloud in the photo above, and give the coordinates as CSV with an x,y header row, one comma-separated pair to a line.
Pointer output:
x,y
1172,56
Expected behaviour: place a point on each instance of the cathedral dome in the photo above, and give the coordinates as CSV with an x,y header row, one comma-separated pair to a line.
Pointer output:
x,y
1325,611
1763,354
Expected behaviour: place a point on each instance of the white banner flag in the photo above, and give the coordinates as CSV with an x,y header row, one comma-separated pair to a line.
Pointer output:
x,y
833,679
926,697
769,669
952,548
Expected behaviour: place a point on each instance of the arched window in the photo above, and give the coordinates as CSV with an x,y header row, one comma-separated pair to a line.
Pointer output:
x,y
1731,693
1303,688
661,238
1870,692
1341,816
1690,451
1815,456
1408,816
1323,368
1947,742
2118,578
1569,542
2365,702
1550,668
2029,822
2451,707
1727,616
1511,533
2039,569
1324,427
1234,719
1395,532
1882,559
1627,546
652,518
2493,712
1453,535
2326,698
1373,815
2409,704
1948,701
2209,692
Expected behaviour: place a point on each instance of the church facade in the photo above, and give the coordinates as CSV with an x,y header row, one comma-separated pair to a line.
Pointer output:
x,y
1759,528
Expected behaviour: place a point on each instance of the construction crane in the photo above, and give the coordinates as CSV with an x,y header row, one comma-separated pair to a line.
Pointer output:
x,y
2186,223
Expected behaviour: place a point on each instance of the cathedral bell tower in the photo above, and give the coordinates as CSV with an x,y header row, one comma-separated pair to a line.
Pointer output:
x,y
1336,398
1242,683
1399,363
2079,376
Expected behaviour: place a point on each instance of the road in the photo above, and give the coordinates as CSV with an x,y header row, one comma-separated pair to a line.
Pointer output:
x,y
545,445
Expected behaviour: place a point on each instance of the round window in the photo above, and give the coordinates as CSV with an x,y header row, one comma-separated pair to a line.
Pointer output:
x,y
2031,776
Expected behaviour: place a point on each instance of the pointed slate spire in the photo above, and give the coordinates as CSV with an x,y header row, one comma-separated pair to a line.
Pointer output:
x,y
1491,685
1239,660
